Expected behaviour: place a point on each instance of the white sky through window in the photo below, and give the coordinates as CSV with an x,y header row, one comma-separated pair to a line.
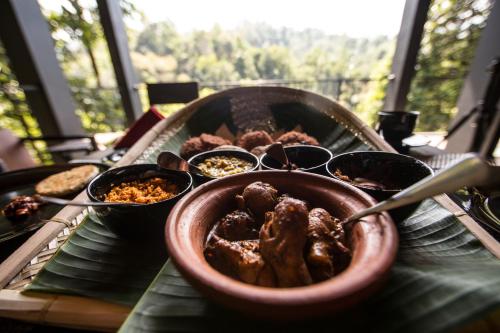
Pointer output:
x,y
355,18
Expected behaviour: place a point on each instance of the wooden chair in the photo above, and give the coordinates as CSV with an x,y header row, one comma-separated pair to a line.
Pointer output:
x,y
170,93
14,154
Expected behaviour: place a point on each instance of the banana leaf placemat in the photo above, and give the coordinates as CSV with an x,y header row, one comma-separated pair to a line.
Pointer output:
x,y
443,278
97,263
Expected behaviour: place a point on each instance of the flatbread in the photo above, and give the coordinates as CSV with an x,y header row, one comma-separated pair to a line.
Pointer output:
x,y
67,182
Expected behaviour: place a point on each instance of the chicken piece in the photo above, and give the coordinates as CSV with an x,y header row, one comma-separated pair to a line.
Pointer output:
x,y
204,142
297,138
254,139
236,226
326,253
258,198
240,260
282,240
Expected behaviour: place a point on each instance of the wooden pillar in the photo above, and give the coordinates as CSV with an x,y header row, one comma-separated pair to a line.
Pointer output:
x,y
26,37
476,82
116,37
405,56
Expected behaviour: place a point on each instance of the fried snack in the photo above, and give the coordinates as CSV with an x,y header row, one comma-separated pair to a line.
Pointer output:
x,y
282,240
142,191
191,147
326,254
67,182
254,139
202,143
259,150
297,138
21,207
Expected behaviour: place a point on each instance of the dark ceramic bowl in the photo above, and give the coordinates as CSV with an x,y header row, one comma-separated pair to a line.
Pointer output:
x,y
373,242
244,155
136,221
307,158
394,172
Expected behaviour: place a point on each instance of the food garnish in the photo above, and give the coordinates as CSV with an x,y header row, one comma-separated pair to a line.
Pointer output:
x,y
142,191
221,166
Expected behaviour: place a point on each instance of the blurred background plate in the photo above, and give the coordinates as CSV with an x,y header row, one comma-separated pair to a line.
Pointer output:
x,y
22,182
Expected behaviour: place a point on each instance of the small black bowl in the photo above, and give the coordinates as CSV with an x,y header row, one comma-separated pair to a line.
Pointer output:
x,y
394,172
306,157
136,221
197,159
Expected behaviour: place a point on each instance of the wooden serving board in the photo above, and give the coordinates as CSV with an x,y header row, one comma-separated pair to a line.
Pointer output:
x,y
242,106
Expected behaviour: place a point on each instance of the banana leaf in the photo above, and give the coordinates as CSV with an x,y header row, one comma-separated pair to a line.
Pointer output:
x,y
95,262
443,278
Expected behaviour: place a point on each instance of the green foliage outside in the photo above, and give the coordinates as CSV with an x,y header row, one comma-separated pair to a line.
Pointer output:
x,y
15,115
82,51
450,37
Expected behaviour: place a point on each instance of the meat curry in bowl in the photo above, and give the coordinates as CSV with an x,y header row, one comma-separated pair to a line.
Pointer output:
x,y
265,258
274,240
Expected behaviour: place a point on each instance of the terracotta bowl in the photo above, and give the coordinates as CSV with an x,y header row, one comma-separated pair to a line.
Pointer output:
x,y
373,242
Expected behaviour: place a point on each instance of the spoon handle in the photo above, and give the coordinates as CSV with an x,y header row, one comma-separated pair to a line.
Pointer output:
x,y
472,171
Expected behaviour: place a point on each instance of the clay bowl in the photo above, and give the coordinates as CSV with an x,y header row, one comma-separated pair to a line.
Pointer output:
x,y
373,242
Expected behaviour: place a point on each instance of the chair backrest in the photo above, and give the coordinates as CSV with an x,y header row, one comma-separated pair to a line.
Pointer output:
x,y
169,93
13,152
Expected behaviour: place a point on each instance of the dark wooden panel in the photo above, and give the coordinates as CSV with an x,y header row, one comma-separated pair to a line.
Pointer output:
x,y
476,83
116,36
167,93
405,56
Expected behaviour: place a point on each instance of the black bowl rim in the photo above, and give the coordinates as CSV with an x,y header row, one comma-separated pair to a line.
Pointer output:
x,y
144,165
328,167
255,159
301,146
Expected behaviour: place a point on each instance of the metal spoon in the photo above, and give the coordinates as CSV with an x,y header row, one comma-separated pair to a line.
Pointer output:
x,y
64,202
277,153
170,161
472,171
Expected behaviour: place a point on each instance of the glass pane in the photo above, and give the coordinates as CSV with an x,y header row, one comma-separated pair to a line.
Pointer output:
x,y
341,49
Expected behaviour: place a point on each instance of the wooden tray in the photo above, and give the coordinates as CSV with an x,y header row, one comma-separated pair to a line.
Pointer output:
x,y
23,265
